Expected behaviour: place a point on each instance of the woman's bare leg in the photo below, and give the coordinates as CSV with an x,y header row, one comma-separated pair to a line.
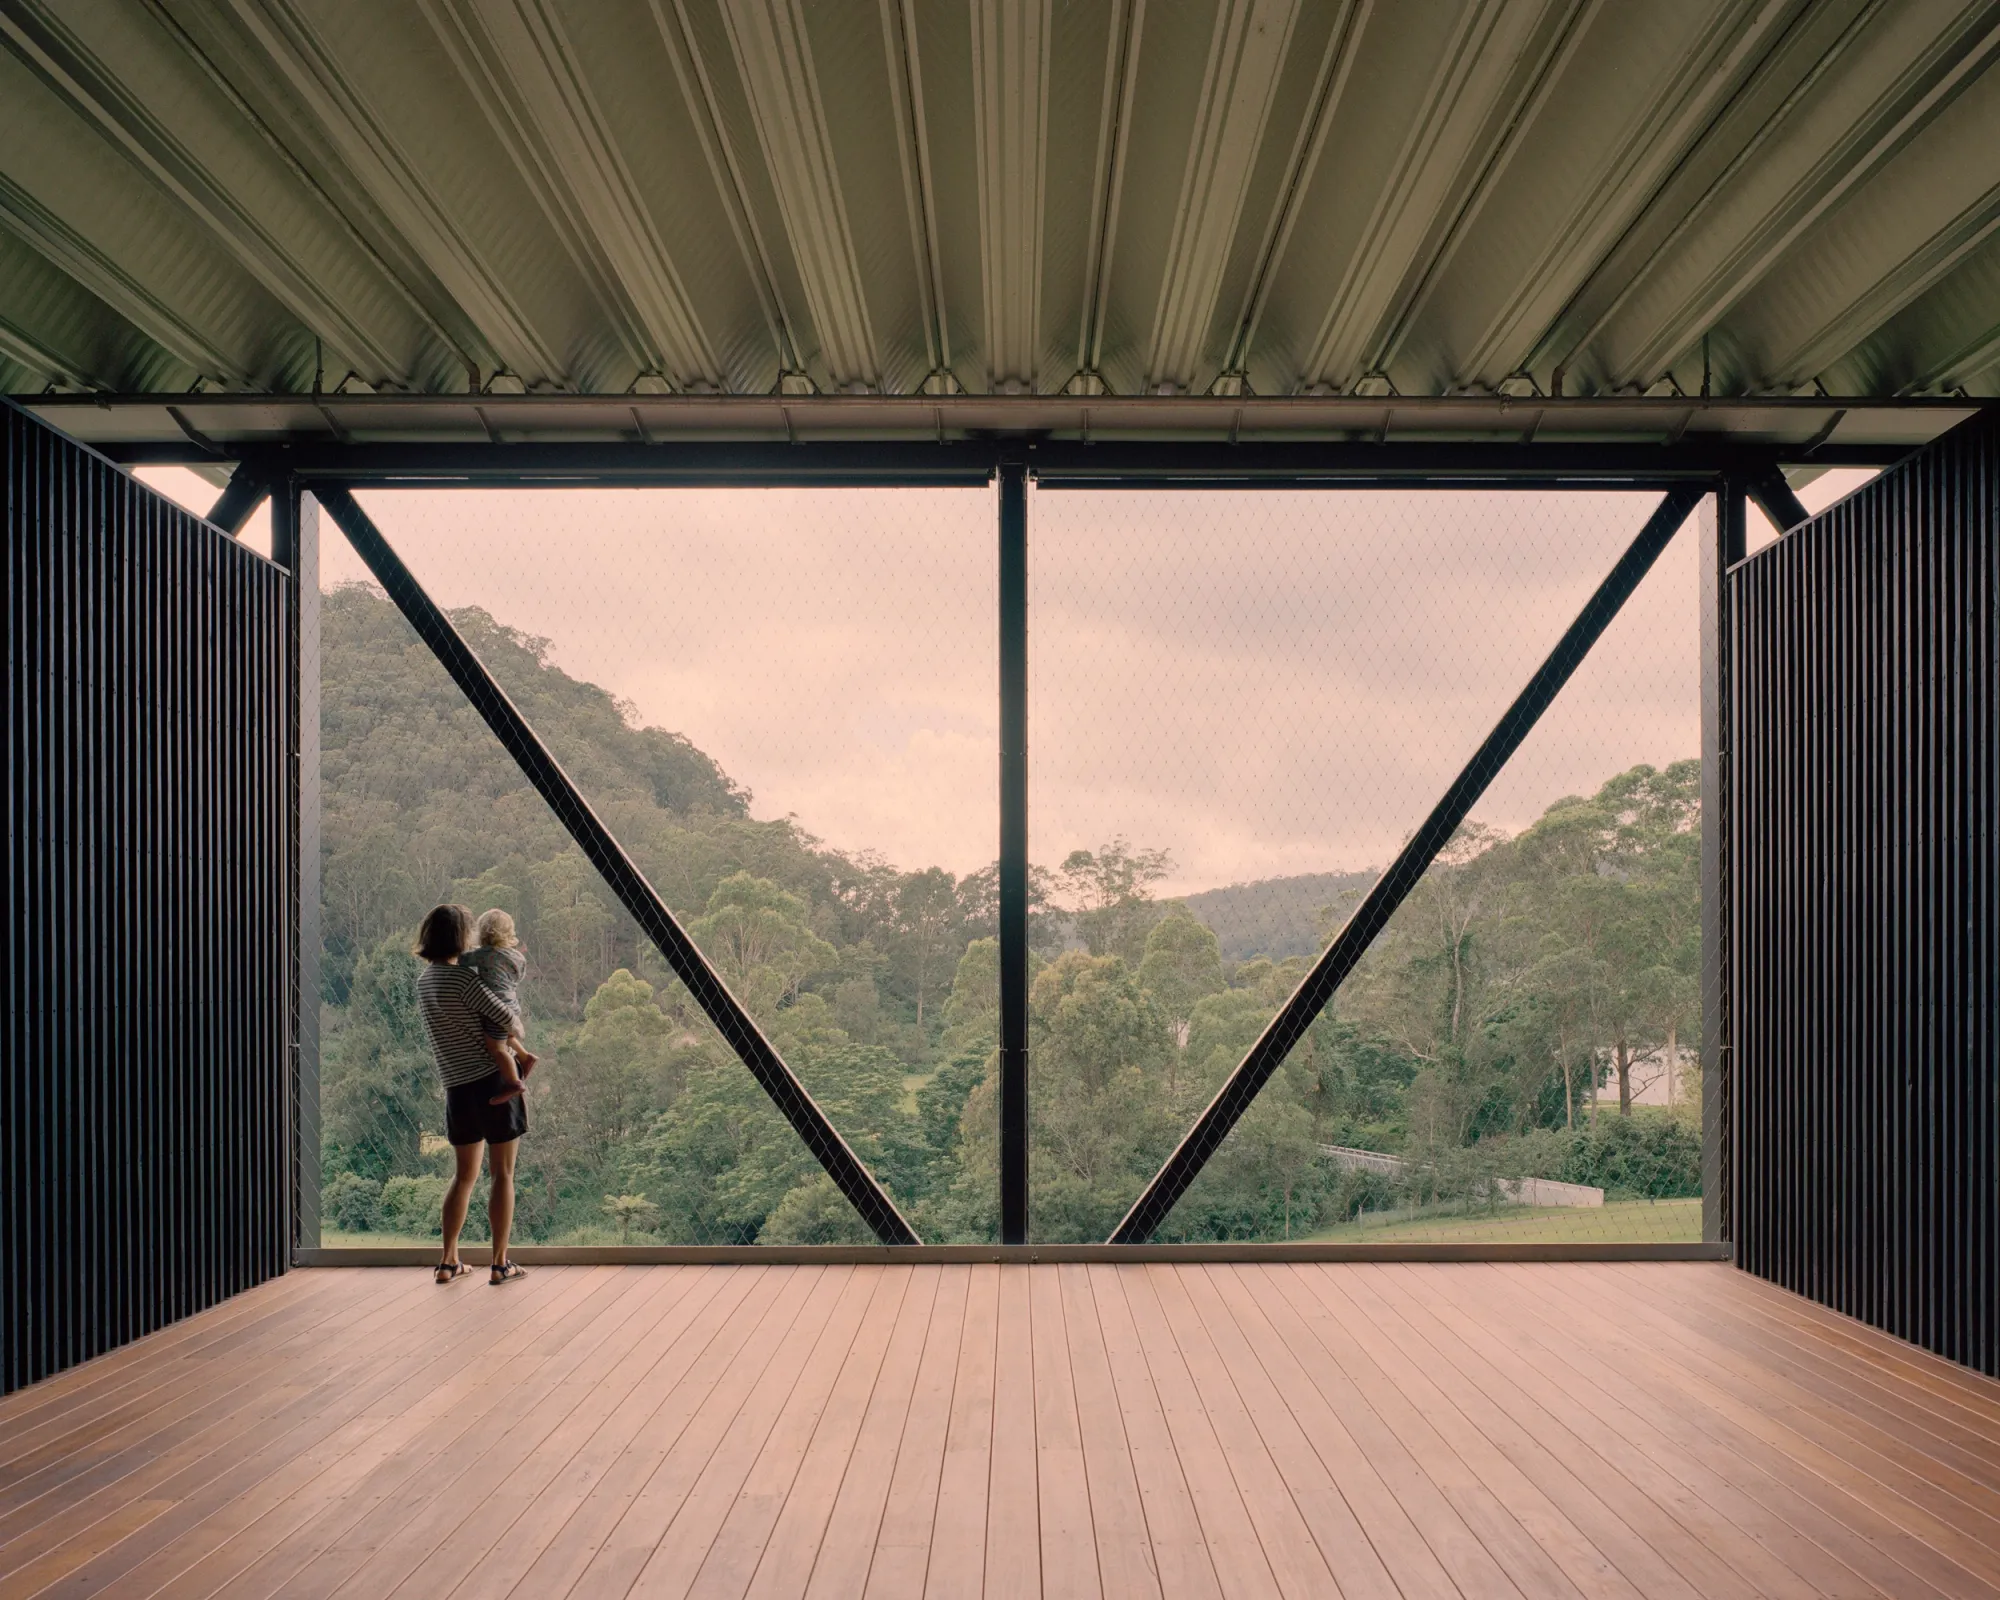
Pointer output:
x,y
458,1198
500,1197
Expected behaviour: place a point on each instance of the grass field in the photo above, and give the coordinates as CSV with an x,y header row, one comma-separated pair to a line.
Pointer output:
x,y
1616,1222
340,1239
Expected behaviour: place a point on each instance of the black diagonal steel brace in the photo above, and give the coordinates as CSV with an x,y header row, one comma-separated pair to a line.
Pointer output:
x,y
1380,903
618,871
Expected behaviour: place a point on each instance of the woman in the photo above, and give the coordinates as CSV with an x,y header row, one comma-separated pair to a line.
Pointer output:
x,y
454,1005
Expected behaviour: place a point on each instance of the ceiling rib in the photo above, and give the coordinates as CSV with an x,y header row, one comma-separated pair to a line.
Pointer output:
x,y
1246,57
1331,81
22,348
1121,71
485,71
691,72
1370,199
1010,87
769,42
1435,162
1974,358
1630,176
392,178
913,153
43,230
69,68
1943,70
1558,46
567,153
1928,263
333,210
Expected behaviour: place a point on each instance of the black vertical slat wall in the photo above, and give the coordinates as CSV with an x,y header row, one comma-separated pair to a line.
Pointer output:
x,y
145,1117
1866,905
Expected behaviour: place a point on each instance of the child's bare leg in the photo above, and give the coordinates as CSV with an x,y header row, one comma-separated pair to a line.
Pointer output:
x,y
503,1058
524,1058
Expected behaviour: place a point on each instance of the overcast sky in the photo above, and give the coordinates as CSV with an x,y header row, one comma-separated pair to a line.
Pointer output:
x,y
1261,683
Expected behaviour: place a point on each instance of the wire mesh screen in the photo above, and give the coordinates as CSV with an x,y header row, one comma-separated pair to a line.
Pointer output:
x,y
1241,705
783,704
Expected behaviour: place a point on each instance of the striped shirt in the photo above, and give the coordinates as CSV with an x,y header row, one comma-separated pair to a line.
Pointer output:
x,y
453,1003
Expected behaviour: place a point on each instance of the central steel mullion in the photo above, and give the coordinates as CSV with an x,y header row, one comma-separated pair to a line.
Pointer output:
x,y
1013,853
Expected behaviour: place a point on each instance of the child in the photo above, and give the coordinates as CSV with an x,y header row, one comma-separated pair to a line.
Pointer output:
x,y
501,963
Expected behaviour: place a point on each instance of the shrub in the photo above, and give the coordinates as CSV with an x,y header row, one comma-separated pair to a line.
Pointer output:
x,y
1651,1157
815,1213
413,1206
352,1202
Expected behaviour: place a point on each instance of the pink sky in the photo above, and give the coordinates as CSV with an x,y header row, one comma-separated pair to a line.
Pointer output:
x,y
1262,683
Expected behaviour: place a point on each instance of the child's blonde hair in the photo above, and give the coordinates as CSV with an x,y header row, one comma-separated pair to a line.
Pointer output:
x,y
496,930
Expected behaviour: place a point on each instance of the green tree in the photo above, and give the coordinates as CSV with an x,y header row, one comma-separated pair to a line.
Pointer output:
x,y
927,933
1109,896
761,938
627,1210
1182,966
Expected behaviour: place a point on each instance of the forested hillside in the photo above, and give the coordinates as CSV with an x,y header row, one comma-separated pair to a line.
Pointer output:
x,y
1276,917
1525,987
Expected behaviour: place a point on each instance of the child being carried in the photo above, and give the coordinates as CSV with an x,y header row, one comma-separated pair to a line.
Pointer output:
x,y
501,963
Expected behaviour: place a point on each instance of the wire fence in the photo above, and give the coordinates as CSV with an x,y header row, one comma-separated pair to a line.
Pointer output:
x,y
1241,706
784,705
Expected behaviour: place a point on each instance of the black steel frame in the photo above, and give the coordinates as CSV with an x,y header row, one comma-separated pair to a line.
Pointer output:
x,y
1013,919
1684,473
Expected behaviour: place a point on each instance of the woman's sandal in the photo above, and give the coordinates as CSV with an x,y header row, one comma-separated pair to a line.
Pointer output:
x,y
452,1271
506,1272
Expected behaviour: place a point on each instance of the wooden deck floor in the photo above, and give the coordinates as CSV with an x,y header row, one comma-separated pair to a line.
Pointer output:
x,y
1306,1430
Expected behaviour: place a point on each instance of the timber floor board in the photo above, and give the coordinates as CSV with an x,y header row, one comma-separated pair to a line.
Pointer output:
x,y
1364,1431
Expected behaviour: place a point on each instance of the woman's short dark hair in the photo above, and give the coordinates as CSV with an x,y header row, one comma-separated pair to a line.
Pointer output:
x,y
445,933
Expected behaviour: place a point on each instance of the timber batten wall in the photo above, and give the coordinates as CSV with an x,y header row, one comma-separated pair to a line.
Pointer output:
x,y
145,1140
1865,938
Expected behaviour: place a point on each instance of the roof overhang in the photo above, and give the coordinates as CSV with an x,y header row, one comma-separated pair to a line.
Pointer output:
x,y
652,438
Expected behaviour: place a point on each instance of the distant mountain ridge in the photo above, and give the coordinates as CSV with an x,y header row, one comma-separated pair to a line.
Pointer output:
x,y
1275,917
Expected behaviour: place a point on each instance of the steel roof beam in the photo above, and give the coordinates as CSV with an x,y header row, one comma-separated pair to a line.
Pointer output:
x,y
1055,463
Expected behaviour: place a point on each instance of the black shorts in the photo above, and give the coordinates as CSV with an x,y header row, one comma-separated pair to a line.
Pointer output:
x,y
471,1118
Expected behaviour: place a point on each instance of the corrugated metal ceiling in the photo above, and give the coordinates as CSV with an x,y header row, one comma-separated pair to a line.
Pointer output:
x,y
1107,198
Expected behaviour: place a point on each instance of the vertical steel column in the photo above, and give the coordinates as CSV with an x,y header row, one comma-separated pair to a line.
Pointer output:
x,y
1721,548
1013,852
295,547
